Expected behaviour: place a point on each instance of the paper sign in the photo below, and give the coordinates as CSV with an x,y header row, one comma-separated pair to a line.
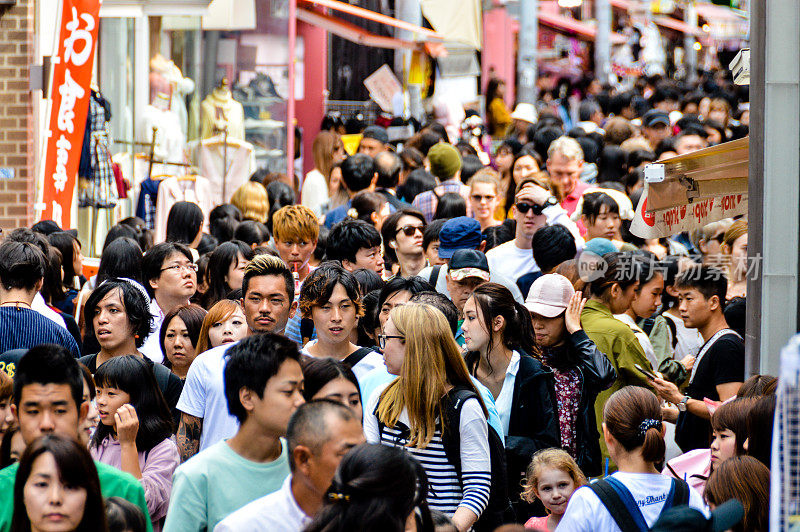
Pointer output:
x,y
382,86
685,217
70,93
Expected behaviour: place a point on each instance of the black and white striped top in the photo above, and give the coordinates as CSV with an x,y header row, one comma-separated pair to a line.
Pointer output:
x,y
445,491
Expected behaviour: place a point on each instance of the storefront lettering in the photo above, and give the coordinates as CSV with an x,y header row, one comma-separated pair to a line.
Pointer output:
x,y
70,91
84,35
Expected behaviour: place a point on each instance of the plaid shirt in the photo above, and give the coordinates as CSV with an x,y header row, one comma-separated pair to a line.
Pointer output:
x,y
427,201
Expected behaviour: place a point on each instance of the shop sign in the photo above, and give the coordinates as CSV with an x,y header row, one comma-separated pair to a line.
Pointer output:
x,y
382,86
686,217
72,75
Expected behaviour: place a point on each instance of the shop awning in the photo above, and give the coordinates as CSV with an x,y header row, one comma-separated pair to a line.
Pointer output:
x,y
581,30
421,33
352,32
689,191
677,25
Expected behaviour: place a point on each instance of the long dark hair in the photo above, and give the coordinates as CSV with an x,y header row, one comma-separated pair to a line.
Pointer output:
x,y
137,307
64,242
131,374
375,487
75,468
184,221
219,262
121,258
192,316
496,300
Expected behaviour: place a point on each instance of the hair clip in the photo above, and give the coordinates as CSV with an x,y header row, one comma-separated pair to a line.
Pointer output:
x,y
338,497
352,213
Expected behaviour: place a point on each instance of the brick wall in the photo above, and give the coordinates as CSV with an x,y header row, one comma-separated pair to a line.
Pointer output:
x,y
16,114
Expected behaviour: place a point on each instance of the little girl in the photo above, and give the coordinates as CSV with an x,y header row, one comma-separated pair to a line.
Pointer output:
x,y
135,430
553,476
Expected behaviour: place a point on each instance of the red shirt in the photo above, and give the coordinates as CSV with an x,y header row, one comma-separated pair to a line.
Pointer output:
x,y
570,202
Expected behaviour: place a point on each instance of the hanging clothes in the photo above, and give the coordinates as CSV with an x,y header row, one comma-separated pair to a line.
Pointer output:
x,y
227,168
96,184
170,139
146,205
194,189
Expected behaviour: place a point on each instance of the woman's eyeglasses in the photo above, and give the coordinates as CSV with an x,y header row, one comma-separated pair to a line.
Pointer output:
x,y
409,230
383,337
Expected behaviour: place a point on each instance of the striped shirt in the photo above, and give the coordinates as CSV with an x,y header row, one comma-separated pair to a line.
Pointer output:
x,y
446,493
23,328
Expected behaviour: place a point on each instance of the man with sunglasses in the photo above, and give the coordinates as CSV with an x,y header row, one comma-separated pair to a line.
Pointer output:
x,y
534,208
170,279
402,240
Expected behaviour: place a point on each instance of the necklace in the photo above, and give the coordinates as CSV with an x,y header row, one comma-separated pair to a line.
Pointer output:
x,y
16,303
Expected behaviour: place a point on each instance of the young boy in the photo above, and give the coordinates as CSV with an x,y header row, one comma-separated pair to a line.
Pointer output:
x,y
330,298
356,244
263,388
718,371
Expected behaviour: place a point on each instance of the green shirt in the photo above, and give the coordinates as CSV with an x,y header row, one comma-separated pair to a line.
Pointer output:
x,y
113,483
616,340
217,482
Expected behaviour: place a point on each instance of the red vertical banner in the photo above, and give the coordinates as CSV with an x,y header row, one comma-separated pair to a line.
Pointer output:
x,y
69,95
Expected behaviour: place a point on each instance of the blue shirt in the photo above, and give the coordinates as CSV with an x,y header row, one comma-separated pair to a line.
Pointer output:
x,y
23,328
336,215
379,376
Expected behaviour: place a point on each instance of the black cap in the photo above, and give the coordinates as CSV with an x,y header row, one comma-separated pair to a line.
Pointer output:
x,y
686,519
468,263
653,117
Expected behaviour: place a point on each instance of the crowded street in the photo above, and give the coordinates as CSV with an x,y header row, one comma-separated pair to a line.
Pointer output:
x,y
399,265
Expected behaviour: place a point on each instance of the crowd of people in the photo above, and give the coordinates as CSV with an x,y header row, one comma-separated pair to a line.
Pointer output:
x,y
407,342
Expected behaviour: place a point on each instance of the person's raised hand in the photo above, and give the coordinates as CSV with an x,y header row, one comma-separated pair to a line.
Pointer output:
x,y
127,424
572,316
532,193
688,362
667,391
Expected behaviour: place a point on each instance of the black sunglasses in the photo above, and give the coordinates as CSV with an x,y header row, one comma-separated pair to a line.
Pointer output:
x,y
525,207
409,230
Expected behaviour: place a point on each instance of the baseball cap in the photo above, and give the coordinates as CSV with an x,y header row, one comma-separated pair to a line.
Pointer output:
x,y
377,133
549,295
468,263
445,160
654,117
461,232
687,519
600,246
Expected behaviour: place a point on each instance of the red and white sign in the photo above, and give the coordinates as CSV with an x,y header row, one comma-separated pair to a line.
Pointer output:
x,y
69,94
382,86
685,217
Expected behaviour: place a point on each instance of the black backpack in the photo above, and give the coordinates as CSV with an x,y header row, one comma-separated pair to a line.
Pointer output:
x,y
499,510
623,508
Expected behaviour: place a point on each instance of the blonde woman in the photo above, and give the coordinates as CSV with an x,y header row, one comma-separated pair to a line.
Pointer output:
x,y
419,348
251,199
734,249
484,196
328,151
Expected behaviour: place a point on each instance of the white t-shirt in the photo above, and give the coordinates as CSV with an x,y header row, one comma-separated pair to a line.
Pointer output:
x,y
151,348
40,306
370,361
276,512
204,396
586,513
689,340
510,261
315,192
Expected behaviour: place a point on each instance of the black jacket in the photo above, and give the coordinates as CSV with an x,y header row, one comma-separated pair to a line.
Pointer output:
x,y
597,375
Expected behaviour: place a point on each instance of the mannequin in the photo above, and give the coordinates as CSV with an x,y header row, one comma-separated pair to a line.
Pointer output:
x,y
166,78
219,111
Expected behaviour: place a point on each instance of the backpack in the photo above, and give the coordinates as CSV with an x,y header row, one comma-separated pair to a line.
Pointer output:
x,y
623,508
356,356
435,275
498,511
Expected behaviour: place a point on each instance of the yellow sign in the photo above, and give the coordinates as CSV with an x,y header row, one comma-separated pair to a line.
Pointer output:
x,y
351,143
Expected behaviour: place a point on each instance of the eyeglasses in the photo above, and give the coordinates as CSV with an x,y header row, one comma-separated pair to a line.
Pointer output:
x,y
479,198
179,267
383,337
410,230
523,208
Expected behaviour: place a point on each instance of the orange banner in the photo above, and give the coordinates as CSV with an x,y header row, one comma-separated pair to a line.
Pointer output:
x,y
69,94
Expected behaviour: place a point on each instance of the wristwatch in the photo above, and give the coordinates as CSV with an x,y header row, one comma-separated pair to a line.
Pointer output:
x,y
682,404
550,202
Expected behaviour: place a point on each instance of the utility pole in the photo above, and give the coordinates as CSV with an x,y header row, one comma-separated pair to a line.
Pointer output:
x,y
602,42
690,54
408,11
528,44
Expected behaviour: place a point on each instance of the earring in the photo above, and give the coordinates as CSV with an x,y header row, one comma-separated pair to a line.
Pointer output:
x,y
136,336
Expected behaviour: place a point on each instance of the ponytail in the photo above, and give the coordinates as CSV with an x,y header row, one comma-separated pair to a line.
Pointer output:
x,y
633,416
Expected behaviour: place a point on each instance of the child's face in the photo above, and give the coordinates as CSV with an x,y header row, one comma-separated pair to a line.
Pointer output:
x,y
554,489
108,402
